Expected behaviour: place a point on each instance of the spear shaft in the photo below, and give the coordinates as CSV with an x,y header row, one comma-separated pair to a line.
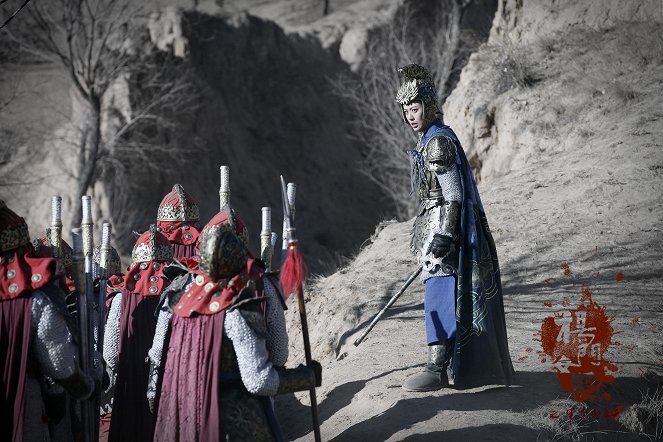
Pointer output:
x,y
307,355
294,257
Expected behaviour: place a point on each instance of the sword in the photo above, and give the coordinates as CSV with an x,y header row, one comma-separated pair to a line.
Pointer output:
x,y
393,299
87,228
83,330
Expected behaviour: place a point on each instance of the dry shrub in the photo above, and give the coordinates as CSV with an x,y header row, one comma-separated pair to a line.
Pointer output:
x,y
511,64
575,427
646,417
422,32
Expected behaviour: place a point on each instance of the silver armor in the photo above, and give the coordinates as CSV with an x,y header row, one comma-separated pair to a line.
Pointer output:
x,y
256,356
440,194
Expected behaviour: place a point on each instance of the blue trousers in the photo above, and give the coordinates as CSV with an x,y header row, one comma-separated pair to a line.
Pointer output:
x,y
440,308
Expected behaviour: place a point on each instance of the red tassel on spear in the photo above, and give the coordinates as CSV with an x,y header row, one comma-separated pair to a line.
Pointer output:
x,y
293,273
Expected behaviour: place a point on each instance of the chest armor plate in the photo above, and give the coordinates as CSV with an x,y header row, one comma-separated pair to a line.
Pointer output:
x,y
430,188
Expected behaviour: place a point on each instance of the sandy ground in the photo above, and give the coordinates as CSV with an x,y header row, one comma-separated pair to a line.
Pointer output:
x,y
361,396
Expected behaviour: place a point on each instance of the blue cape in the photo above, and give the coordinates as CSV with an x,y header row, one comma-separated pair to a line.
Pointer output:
x,y
481,353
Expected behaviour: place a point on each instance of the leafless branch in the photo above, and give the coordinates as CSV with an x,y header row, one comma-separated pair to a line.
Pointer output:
x,y
100,44
422,34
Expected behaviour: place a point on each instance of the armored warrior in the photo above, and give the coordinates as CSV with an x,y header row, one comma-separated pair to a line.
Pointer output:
x,y
129,333
177,219
35,338
219,314
452,242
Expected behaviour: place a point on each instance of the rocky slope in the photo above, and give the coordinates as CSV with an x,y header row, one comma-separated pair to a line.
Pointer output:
x,y
561,117
266,108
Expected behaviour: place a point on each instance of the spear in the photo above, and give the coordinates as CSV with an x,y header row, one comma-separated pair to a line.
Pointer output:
x,y
293,273
224,188
292,194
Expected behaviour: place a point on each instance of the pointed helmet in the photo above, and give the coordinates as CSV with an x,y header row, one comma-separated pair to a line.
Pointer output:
x,y
222,245
178,205
152,246
13,229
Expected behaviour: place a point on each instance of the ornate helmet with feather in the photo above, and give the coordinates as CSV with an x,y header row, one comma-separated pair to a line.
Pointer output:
x,y
418,87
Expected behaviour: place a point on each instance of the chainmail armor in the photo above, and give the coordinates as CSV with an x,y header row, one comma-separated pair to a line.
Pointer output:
x,y
258,375
450,183
156,352
112,336
163,324
52,342
277,335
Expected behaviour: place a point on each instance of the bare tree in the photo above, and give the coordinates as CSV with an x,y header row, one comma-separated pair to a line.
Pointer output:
x,y
128,92
423,32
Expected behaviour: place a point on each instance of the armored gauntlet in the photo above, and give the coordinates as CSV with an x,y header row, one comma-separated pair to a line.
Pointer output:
x,y
301,378
443,242
450,222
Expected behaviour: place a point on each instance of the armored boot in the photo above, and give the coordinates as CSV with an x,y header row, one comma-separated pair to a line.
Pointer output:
x,y
434,376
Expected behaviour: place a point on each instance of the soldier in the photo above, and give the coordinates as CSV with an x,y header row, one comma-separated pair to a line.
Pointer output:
x,y
129,333
452,242
220,363
177,219
35,338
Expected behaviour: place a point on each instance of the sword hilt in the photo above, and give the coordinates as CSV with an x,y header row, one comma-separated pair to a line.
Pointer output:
x,y
224,189
86,227
104,252
266,247
54,234
56,210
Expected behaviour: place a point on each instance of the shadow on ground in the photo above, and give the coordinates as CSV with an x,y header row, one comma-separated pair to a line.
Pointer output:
x,y
530,391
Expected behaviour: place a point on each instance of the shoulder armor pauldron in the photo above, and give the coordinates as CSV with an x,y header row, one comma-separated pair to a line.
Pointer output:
x,y
173,293
249,306
441,150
